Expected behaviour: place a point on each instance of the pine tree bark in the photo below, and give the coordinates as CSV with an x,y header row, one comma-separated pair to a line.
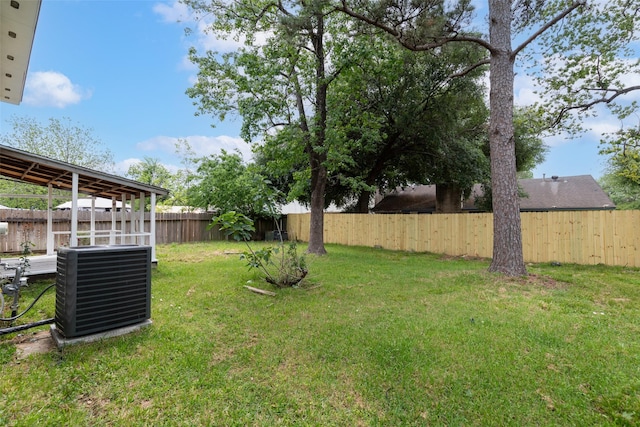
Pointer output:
x,y
318,187
507,235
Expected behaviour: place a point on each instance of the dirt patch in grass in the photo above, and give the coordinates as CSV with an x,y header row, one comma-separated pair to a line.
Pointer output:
x,y
196,257
33,343
537,280
446,257
529,281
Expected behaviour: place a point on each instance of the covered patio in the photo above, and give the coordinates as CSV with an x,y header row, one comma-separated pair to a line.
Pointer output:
x,y
126,227
18,19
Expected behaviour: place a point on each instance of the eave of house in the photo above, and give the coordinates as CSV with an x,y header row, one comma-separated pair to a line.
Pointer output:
x,y
18,20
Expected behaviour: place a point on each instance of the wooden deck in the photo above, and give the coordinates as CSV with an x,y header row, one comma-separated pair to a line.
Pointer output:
x,y
39,265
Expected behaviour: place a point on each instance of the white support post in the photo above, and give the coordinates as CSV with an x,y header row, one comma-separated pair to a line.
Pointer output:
x,y
73,240
50,236
112,233
132,220
152,228
123,219
92,236
141,238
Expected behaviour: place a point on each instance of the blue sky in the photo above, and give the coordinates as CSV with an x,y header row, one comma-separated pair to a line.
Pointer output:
x,y
119,67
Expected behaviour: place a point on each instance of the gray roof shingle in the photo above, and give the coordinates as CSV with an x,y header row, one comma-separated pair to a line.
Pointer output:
x,y
564,193
580,192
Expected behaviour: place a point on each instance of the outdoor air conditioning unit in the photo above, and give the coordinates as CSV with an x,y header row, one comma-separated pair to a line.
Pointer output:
x,y
102,288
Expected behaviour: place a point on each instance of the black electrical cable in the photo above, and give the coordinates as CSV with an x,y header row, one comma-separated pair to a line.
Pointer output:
x,y
19,328
17,316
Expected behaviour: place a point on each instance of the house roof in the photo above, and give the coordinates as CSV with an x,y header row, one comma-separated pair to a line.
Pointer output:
x,y
99,203
412,199
18,19
39,170
580,192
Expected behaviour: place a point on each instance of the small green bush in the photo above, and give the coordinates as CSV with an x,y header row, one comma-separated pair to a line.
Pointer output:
x,y
280,264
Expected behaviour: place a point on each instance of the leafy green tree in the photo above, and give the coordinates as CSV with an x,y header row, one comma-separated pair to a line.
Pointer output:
x,y
402,118
393,118
36,196
60,140
583,54
625,193
151,171
530,151
402,126
623,149
622,180
284,162
281,82
224,183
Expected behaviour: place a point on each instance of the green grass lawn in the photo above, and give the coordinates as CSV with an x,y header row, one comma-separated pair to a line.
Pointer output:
x,y
373,338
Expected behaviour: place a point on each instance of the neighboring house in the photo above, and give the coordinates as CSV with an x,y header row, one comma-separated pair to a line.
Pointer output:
x,y
179,209
101,205
296,207
568,193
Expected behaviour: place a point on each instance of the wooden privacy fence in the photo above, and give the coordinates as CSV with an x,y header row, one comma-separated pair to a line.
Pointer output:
x,y
31,225
580,237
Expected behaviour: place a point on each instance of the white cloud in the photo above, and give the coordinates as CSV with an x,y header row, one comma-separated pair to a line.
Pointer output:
x,y
557,140
201,145
210,41
524,90
52,89
631,80
187,65
595,128
606,125
174,12
122,167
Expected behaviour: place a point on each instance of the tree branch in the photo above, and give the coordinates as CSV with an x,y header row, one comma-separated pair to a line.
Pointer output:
x,y
470,68
585,106
548,25
455,39
437,42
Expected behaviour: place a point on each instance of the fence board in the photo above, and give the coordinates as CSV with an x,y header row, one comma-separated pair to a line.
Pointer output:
x,y
31,225
580,237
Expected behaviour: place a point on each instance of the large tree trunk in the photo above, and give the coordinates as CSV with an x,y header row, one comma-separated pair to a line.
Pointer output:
x,y
362,205
318,186
507,235
316,156
448,198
